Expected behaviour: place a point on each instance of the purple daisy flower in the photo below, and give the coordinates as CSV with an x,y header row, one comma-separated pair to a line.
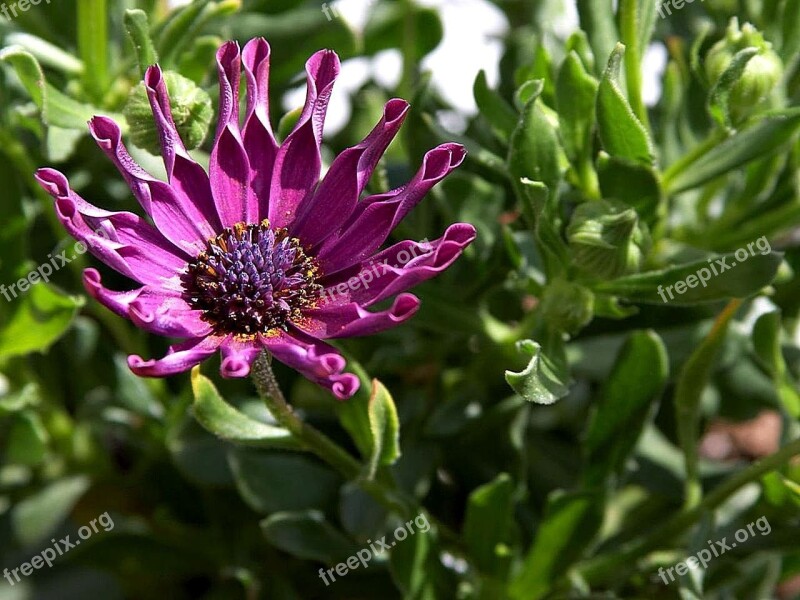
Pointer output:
x,y
259,254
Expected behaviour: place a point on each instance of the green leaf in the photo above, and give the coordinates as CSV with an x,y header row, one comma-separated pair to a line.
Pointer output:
x,y
36,518
273,481
307,535
735,280
27,440
576,93
354,414
42,316
534,150
693,378
413,566
767,344
224,421
384,427
597,20
93,45
184,24
488,524
28,71
768,134
46,53
570,522
57,109
626,400
21,399
500,115
633,183
138,28
791,29
719,96
200,456
390,22
540,381
621,133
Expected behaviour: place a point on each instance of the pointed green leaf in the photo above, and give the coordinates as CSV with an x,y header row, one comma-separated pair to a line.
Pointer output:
x,y
570,522
488,523
138,28
767,344
384,426
768,134
621,133
307,535
576,93
494,108
41,317
635,382
539,382
735,280
534,150
224,421
719,96
36,517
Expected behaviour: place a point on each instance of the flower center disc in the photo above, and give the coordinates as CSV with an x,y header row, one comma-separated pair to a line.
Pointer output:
x,y
251,279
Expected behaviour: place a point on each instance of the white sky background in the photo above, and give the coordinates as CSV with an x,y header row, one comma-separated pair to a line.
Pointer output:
x,y
473,31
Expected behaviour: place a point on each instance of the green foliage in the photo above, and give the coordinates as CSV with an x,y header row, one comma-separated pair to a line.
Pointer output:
x,y
580,400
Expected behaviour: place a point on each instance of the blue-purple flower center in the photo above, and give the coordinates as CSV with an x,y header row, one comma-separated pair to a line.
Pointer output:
x,y
251,279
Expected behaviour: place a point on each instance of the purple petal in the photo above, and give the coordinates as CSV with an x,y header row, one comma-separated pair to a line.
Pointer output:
x,y
185,176
349,320
375,217
122,240
238,356
259,142
181,357
154,310
398,268
338,194
229,167
298,162
178,218
314,359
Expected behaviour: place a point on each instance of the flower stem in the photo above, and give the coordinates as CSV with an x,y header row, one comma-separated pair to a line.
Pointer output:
x,y
317,442
601,568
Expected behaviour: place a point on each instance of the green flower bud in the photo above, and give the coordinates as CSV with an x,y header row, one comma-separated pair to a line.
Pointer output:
x,y
567,306
191,111
607,239
760,75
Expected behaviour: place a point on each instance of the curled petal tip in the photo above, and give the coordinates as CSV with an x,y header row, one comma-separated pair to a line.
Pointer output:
x,y
232,368
345,386
395,110
153,76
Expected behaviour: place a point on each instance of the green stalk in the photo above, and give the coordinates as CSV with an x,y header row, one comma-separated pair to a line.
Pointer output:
x,y
93,45
603,568
690,157
317,442
629,25
691,382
